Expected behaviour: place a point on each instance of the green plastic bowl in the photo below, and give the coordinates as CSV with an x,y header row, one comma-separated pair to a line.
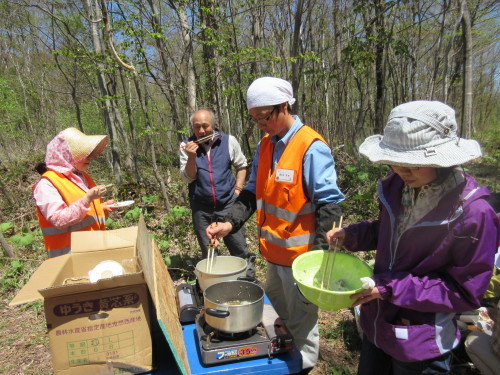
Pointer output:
x,y
308,270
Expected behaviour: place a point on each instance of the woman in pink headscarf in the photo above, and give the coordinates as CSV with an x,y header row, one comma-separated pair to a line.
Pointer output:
x,y
67,199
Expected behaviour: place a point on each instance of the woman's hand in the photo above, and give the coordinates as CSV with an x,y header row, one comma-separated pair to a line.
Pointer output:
x,y
365,296
95,193
106,205
336,237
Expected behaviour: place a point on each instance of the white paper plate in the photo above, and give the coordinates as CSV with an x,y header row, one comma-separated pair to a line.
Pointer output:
x,y
105,269
121,204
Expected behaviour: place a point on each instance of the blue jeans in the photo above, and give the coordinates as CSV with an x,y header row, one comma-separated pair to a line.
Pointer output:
x,y
374,361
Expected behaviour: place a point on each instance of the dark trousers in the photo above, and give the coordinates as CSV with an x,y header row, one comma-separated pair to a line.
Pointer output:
x,y
374,361
203,215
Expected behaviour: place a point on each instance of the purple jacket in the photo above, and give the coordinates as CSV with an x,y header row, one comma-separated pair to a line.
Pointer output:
x,y
437,267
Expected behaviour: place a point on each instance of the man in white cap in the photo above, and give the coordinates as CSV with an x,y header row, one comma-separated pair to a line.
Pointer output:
x,y
294,191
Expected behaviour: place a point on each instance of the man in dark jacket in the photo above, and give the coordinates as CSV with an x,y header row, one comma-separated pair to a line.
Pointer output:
x,y
207,160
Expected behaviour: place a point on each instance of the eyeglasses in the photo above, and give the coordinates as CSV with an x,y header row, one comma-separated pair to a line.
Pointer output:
x,y
265,119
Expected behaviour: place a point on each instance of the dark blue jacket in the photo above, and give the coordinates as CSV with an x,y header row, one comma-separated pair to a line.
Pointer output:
x,y
214,184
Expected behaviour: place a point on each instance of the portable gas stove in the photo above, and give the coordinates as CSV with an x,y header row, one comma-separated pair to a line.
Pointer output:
x,y
268,338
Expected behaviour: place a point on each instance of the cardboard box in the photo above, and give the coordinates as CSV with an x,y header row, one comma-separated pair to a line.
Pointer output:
x,y
101,327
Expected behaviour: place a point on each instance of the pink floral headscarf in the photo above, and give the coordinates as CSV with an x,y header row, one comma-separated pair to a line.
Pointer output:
x,y
58,156
59,159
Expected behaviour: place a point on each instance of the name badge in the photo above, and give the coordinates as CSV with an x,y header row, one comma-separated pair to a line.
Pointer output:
x,y
285,175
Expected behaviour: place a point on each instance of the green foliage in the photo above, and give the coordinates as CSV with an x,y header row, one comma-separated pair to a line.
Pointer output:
x,y
133,213
11,109
177,227
113,224
163,244
150,198
4,227
36,306
179,211
167,260
15,276
359,184
23,239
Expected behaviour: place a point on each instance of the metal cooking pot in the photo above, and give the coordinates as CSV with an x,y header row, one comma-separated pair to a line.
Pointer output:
x,y
224,268
234,306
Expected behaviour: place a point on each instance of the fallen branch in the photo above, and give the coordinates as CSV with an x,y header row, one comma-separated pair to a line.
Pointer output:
x,y
6,246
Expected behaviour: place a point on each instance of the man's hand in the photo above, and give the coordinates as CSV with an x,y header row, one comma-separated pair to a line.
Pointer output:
x,y
191,148
218,230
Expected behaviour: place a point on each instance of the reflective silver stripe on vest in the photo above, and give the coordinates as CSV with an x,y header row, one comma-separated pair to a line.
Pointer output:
x,y
57,252
82,224
303,239
283,214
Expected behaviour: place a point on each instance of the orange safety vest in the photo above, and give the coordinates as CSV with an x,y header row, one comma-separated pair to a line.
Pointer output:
x,y
58,240
285,215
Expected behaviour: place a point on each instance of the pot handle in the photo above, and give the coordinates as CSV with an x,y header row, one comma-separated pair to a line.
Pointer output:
x,y
247,278
217,313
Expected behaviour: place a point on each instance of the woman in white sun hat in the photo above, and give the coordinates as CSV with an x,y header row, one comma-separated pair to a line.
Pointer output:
x,y
67,199
436,237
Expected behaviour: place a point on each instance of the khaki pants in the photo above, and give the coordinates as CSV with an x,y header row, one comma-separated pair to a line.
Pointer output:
x,y
299,315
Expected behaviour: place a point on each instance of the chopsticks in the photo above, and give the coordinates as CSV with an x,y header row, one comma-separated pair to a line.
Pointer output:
x,y
109,186
329,268
203,139
211,253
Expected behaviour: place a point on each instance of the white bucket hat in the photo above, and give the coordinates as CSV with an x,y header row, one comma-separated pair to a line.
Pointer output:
x,y
420,133
268,91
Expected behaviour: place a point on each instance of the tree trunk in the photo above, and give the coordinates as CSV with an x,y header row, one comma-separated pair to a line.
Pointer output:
x,y
257,35
379,67
295,51
107,105
118,122
467,70
131,121
150,137
188,46
171,93
71,83
438,57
